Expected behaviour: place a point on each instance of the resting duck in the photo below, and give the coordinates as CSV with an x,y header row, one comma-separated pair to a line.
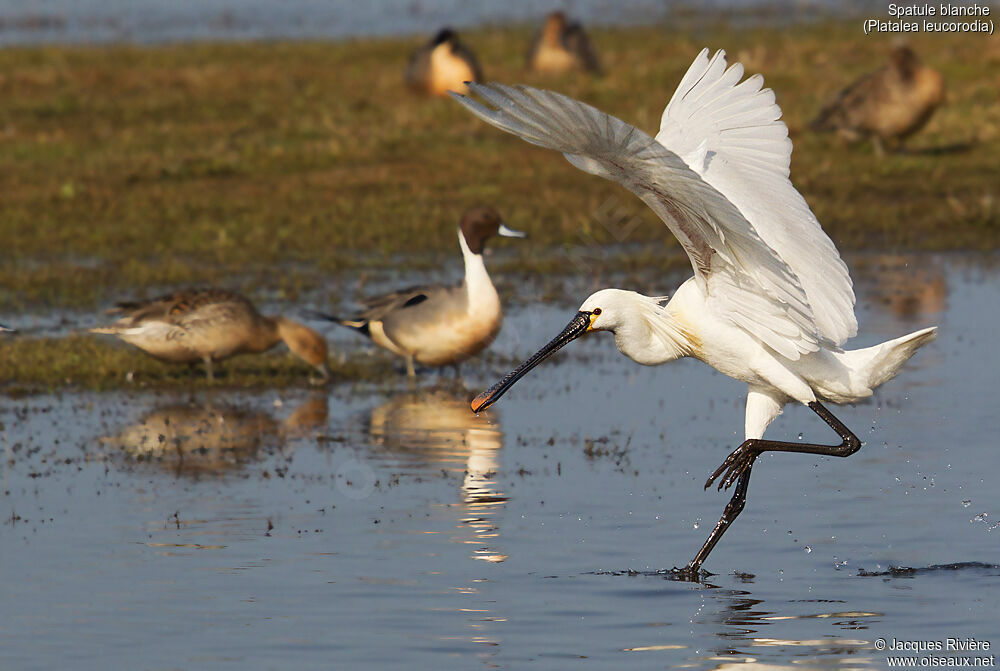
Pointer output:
x,y
438,325
443,64
887,105
209,325
562,45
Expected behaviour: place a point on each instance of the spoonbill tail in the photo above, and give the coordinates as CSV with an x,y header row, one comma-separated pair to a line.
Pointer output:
x,y
771,302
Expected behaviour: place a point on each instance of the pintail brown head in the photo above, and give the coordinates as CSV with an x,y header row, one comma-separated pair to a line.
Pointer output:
x,y
479,224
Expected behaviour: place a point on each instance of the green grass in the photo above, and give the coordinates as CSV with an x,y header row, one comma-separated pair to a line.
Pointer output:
x,y
127,169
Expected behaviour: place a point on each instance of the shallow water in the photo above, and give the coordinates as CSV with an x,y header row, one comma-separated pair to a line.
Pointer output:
x,y
375,527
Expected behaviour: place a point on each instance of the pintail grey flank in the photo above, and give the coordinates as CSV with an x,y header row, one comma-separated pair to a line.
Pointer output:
x,y
209,325
437,325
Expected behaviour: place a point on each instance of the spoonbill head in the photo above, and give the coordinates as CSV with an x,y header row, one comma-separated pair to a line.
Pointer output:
x,y
626,314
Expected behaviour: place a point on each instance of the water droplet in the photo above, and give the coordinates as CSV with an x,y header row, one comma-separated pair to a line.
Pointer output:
x,y
981,517
800,436
697,523
966,503
808,549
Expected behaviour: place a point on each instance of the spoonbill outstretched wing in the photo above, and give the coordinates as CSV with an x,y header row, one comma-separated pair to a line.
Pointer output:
x,y
746,279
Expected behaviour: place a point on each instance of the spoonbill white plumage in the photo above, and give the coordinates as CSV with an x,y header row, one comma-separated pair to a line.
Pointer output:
x,y
771,302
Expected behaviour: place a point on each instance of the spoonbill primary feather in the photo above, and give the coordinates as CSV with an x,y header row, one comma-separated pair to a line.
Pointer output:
x,y
771,302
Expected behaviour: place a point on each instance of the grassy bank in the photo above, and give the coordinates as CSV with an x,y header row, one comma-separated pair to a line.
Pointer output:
x,y
32,365
126,169
129,167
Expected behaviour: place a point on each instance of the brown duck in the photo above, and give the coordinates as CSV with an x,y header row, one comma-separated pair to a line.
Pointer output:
x,y
887,105
209,325
560,46
443,64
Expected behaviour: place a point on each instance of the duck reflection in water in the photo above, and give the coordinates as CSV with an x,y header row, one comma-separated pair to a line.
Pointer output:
x,y
434,432
912,287
205,439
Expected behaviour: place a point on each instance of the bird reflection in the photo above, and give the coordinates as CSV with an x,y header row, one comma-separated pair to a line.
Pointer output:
x,y
912,287
746,626
434,431
195,439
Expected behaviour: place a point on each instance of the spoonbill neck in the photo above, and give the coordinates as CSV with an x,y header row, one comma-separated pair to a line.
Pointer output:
x,y
649,333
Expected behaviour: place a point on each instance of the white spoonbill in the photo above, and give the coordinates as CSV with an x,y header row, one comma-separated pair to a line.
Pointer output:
x,y
771,302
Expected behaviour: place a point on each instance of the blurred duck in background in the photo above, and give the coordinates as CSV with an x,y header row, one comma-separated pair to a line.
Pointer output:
x,y
913,288
887,105
562,45
209,325
442,65
437,325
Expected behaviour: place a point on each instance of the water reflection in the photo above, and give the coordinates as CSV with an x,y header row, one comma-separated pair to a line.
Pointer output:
x,y
751,631
912,287
433,430
209,438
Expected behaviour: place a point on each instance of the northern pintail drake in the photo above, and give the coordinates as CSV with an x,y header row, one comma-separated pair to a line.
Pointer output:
x,y
887,105
770,302
209,325
560,46
443,64
438,325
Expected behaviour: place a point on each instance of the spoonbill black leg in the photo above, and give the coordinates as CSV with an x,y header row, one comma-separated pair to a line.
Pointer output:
x,y
733,509
738,465
742,458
